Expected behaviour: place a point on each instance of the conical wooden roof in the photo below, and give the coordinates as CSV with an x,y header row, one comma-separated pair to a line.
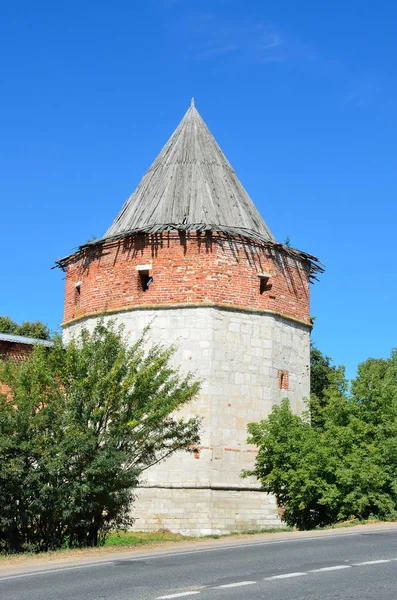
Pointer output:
x,y
191,186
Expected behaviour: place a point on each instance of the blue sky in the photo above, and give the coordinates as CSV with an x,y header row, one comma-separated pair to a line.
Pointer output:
x,y
300,96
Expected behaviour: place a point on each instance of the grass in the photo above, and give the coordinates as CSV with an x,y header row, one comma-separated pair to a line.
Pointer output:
x,y
353,522
132,539
138,538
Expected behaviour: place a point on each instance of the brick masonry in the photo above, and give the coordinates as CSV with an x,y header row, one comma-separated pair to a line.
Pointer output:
x,y
194,270
283,379
13,352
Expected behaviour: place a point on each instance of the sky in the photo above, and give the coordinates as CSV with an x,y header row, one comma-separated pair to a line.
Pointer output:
x,y
301,97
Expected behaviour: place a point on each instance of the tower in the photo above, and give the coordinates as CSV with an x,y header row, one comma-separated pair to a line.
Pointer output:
x,y
190,254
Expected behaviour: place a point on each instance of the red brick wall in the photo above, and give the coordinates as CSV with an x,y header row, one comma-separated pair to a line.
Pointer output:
x,y
192,269
14,352
11,351
283,380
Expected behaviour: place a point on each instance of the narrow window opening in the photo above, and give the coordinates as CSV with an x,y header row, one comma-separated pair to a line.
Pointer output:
x,y
77,291
283,379
264,282
146,279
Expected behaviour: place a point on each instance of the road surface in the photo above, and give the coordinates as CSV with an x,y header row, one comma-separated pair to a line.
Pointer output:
x,y
350,565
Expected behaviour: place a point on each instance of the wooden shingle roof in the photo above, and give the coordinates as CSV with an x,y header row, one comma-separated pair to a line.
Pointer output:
x,y
191,186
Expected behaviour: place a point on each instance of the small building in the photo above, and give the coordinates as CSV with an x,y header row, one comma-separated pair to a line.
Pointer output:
x,y
17,348
190,254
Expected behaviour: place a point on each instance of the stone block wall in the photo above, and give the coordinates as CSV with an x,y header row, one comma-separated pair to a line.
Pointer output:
x,y
197,511
238,355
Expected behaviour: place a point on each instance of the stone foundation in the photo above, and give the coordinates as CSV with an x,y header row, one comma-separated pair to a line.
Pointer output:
x,y
197,512
247,361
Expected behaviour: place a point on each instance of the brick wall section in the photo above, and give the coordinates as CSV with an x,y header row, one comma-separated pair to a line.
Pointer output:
x,y
10,351
283,379
192,269
15,352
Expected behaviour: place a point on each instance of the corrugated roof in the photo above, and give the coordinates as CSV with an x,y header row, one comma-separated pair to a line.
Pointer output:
x,y
192,187
21,339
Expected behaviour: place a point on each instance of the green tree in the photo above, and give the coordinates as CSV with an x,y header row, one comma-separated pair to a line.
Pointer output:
x,y
324,377
84,422
7,325
344,468
33,329
321,372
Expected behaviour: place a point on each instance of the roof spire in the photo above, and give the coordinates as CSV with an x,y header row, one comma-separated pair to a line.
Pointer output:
x,y
190,185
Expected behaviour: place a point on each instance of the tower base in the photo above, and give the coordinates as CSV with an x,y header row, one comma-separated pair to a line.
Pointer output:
x,y
203,511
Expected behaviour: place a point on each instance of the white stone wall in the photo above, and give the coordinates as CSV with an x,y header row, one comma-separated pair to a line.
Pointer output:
x,y
237,355
196,511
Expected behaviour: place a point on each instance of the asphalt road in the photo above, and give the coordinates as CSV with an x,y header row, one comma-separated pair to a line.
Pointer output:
x,y
353,565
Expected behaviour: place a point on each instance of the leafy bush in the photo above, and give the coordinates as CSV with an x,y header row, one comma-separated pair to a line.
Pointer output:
x,y
342,465
82,423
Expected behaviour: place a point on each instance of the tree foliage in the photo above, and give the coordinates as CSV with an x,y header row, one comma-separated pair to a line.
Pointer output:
x,y
323,376
346,464
321,372
33,329
83,423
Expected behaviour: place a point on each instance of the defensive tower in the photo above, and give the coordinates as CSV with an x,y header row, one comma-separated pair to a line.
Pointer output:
x,y
190,253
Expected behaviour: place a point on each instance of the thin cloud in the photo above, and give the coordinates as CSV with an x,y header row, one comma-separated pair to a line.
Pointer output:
x,y
250,41
362,92
217,38
273,59
214,37
274,42
214,51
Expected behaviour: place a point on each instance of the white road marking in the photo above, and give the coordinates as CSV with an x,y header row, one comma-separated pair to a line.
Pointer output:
x,y
60,570
334,568
233,585
371,562
180,595
286,575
